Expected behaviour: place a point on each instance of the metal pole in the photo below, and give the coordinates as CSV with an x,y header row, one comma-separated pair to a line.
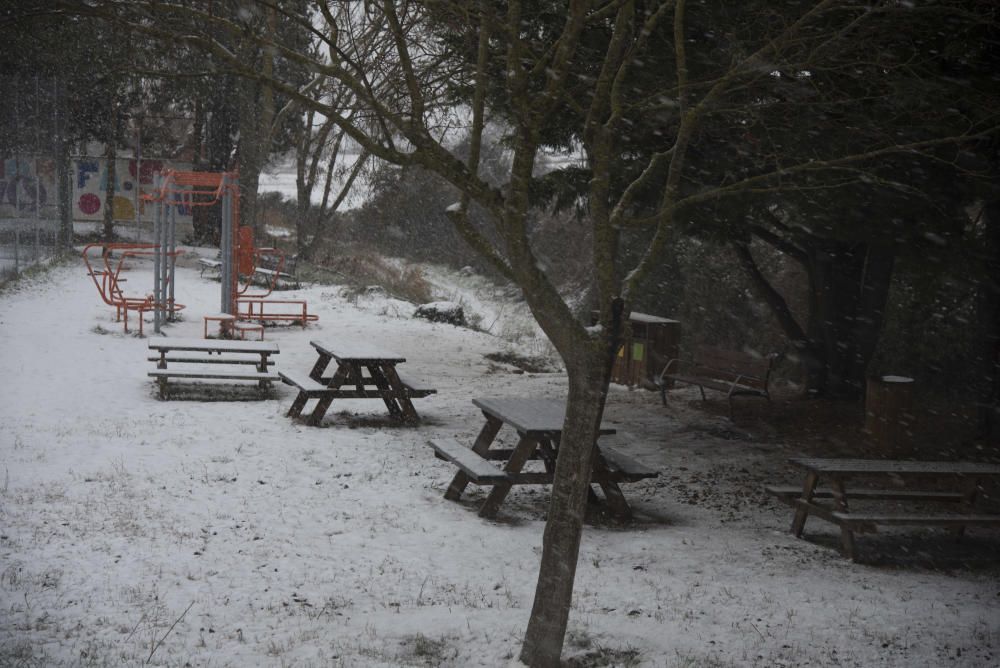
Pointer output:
x,y
172,260
38,178
38,197
17,190
157,214
163,244
226,246
138,174
65,234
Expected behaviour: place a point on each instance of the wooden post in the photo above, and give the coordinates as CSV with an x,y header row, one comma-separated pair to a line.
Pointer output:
x,y
888,416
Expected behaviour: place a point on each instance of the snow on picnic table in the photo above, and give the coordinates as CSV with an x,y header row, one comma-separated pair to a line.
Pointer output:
x,y
222,533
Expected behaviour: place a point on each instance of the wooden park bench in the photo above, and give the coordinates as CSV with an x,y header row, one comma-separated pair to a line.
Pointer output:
x,y
209,264
728,371
212,359
955,485
268,274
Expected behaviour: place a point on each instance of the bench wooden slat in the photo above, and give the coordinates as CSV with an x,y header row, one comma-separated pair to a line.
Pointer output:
x,y
626,467
234,374
794,492
213,345
868,521
714,384
890,466
413,386
478,469
212,359
726,377
305,384
722,358
271,272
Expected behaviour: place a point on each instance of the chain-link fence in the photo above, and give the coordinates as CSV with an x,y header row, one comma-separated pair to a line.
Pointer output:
x,y
24,243
31,135
29,219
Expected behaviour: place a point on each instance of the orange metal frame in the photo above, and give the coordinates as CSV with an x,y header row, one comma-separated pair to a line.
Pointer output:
x,y
197,189
207,189
108,279
256,309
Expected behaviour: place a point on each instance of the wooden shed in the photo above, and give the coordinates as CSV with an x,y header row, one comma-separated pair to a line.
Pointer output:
x,y
652,341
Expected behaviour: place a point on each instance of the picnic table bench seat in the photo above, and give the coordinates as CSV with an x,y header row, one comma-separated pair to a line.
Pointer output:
x,y
228,374
312,388
479,469
869,522
322,387
624,468
206,359
894,467
785,492
415,388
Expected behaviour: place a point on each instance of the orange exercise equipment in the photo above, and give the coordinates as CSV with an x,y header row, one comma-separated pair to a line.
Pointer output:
x,y
108,279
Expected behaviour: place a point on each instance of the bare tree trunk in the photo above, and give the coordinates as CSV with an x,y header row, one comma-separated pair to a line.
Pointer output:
x,y
249,160
257,113
589,373
63,188
849,287
988,325
543,641
110,156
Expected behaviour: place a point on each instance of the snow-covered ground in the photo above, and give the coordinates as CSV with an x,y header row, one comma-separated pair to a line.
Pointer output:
x,y
186,532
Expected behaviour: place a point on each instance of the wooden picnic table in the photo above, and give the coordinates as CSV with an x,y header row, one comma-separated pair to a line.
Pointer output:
x,y
214,359
846,481
539,424
350,381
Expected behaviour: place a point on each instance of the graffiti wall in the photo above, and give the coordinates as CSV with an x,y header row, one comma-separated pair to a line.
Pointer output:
x,y
90,180
28,182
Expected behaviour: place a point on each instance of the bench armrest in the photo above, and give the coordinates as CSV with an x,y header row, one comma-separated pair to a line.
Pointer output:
x,y
675,362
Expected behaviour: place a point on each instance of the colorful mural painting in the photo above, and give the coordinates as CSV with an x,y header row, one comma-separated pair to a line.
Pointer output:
x,y
26,181
90,179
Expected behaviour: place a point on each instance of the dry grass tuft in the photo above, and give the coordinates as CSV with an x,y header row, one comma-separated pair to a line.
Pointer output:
x,y
366,269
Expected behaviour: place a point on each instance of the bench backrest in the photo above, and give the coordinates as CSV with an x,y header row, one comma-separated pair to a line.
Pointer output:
x,y
730,365
270,262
